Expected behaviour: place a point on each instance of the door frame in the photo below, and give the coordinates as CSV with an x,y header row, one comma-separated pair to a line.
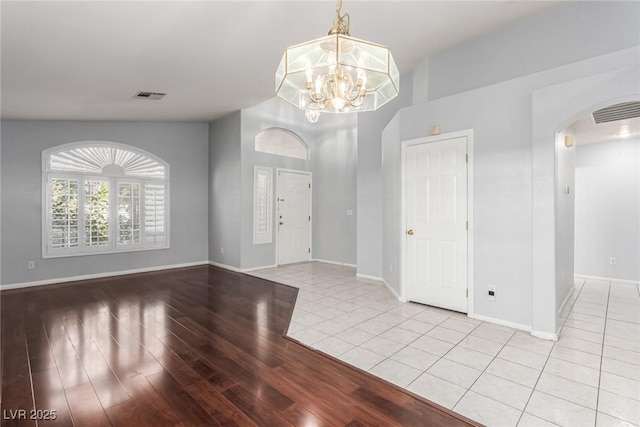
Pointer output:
x,y
403,209
276,216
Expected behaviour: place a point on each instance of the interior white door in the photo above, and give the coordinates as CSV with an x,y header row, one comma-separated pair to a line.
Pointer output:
x,y
436,220
294,217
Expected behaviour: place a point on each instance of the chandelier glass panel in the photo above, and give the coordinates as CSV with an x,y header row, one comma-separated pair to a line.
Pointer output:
x,y
337,73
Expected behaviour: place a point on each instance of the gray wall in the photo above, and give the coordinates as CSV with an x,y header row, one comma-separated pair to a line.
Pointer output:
x,y
271,113
333,164
560,36
608,209
391,202
182,145
224,190
369,209
336,166
500,116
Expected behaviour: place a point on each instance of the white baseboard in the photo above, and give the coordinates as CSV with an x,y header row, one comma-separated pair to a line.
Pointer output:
x,y
607,279
500,322
380,279
393,291
247,270
226,267
566,300
239,270
326,261
98,275
545,335
366,276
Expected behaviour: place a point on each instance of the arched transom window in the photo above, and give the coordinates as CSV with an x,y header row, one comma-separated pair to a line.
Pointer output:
x,y
102,197
281,142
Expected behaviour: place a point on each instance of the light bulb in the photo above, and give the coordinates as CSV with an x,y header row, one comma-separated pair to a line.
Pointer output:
x,y
338,103
312,115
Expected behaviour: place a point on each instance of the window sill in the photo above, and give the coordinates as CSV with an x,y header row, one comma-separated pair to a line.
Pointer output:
x,y
111,252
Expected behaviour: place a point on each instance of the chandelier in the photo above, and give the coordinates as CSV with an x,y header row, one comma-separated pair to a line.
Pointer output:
x,y
337,73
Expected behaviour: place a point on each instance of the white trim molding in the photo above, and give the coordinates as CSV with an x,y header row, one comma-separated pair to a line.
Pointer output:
x,y
393,291
607,279
99,275
500,322
226,267
240,270
467,133
381,280
262,267
366,276
566,300
343,264
545,335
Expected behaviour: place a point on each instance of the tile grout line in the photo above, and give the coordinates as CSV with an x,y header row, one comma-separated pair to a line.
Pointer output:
x,y
484,370
604,333
576,300
406,345
533,389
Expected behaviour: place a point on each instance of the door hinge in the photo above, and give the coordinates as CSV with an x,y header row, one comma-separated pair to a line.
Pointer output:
x,y
466,293
466,225
466,158
309,217
309,185
309,250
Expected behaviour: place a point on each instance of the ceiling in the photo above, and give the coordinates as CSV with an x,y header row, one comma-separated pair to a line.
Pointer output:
x,y
586,131
86,60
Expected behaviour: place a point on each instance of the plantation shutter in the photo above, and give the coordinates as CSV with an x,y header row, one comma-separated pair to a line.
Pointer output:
x,y
63,220
154,214
129,227
96,213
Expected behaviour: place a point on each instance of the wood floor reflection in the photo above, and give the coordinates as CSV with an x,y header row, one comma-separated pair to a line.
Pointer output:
x,y
191,347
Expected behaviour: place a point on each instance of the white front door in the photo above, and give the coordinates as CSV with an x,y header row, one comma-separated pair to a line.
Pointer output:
x,y
436,220
294,216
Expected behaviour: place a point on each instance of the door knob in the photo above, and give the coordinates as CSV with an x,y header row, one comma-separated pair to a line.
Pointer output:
x,y
281,223
410,232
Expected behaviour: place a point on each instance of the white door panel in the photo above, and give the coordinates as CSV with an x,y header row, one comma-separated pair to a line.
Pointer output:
x,y
294,223
436,212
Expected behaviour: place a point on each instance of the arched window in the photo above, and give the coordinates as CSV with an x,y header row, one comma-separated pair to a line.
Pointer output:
x,y
102,197
281,142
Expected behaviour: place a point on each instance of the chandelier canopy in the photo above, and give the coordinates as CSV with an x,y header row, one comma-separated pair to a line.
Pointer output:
x,y
337,73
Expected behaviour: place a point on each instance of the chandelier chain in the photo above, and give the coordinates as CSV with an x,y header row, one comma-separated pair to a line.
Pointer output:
x,y
342,22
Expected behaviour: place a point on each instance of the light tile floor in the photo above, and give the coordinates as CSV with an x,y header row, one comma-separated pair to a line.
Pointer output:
x,y
493,374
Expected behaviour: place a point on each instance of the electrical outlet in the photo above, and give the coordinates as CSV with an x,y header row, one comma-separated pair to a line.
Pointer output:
x,y
31,265
221,250
612,261
492,293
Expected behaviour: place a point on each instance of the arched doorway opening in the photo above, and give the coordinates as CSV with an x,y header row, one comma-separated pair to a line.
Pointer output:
x,y
554,108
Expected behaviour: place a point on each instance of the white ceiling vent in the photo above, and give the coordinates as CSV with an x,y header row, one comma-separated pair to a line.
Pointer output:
x,y
149,95
623,111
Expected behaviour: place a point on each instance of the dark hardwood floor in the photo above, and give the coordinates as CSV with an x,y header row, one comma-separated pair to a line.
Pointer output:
x,y
191,347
